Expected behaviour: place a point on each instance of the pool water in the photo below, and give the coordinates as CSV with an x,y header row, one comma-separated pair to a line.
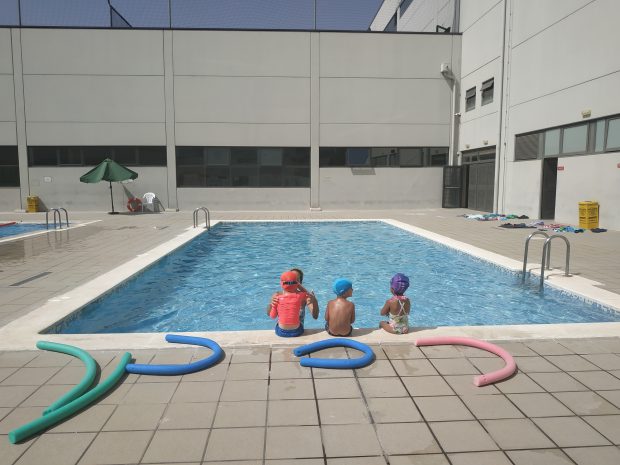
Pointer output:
x,y
223,280
19,228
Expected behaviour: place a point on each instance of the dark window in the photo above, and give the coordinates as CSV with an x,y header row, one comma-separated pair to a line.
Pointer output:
x,y
404,5
69,156
125,155
391,25
243,166
470,99
332,156
383,156
487,91
93,155
358,156
152,156
9,166
42,156
527,146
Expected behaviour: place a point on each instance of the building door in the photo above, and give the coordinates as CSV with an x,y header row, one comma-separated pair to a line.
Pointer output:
x,y
481,182
549,183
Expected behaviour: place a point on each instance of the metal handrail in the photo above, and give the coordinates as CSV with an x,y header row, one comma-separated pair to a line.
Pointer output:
x,y
56,211
207,217
527,244
546,249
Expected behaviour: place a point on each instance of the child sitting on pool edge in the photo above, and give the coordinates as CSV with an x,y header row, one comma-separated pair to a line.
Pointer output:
x,y
286,307
397,307
340,313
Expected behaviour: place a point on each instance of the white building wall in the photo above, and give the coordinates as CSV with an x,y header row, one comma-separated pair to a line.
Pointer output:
x,y
7,92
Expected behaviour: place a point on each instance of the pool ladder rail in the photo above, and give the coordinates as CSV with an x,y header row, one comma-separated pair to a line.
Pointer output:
x,y
207,217
56,211
546,255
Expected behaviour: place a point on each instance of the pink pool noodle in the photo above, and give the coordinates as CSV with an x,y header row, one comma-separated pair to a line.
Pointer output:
x,y
484,379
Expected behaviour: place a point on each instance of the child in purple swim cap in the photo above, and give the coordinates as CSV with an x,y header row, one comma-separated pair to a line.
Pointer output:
x,y
397,307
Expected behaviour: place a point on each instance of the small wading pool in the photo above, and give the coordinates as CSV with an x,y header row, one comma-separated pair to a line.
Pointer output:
x,y
223,279
19,228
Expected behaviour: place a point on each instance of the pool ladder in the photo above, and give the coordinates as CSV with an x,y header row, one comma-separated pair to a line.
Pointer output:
x,y
546,255
56,211
207,217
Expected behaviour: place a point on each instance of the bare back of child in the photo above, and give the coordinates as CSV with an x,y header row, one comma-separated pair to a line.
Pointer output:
x,y
340,313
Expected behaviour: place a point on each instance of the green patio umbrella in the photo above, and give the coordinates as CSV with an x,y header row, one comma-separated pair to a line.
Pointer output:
x,y
109,170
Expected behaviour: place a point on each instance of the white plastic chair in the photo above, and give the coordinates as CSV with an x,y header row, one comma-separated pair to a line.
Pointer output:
x,y
149,199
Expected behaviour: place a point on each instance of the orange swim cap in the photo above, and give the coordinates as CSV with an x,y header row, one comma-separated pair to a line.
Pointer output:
x,y
288,281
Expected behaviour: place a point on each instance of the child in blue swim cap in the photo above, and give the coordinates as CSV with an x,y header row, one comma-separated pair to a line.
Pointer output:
x,y
340,313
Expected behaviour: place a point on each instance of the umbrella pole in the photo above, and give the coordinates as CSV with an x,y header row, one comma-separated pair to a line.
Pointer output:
x,y
112,198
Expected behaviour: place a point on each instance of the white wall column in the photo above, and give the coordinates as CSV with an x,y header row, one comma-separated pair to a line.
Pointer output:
x,y
170,120
315,120
20,117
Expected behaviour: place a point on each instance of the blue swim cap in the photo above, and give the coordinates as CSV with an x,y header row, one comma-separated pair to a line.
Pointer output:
x,y
341,286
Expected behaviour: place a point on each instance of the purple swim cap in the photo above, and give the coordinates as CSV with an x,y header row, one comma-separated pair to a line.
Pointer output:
x,y
399,283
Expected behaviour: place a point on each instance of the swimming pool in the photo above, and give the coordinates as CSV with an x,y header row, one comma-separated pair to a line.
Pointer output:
x,y
222,280
20,228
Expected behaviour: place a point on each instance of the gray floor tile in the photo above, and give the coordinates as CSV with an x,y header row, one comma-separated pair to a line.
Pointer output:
x,y
46,394
11,452
215,373
176,446
584,346
283,354
224,443
16,359
321,373
291,389
557,382
188,416
237,414
548,348
535,365
402,351
337,388
611,396
570,432
393,410
414,367
135,417
49,359
586,403
245,390
479,458
517,349
117,447
197,392
241,371
444,408
426,459
597,380
57,449
343,411
441,351
251,355
150,393
606,455
90,419
419,438
462,436
517,433
427,386
354,461
539,405
491,407
289,370
607,425
12,396
292,413
520,383
454,366
4,411
30,376
382,387
604,361
6,372
571,363
18,417
486,364
539,457
377,368
291,442
361,440
464,385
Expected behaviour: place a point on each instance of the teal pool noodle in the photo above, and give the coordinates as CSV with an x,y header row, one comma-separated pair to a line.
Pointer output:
x,y
84,384
41,423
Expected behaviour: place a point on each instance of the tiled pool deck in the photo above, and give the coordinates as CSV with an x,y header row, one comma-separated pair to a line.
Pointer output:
x,y
412,406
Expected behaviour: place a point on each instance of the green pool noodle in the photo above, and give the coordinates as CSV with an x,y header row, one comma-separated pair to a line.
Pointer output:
x,y
41,423
84,384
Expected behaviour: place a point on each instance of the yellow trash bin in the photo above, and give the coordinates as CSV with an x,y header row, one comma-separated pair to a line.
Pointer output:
x,y
33,204
588,214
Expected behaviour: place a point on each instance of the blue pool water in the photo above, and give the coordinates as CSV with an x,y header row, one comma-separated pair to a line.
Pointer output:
x,y
223,280
19,228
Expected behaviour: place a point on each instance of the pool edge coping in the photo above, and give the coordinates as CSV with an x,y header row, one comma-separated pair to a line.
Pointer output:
x,y
24,332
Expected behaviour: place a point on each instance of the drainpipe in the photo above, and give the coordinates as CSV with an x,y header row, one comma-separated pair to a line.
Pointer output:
x,y
499,151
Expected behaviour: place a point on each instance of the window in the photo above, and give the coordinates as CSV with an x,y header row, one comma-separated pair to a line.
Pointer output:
x,y
527,146
393,157
243,166
552,142
9,166
470,99
483,155
391,25
487,91
93,155
599,137
404,5
613,134
575,139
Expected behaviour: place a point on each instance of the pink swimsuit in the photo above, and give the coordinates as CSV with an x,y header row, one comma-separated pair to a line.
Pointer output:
x,y
287,308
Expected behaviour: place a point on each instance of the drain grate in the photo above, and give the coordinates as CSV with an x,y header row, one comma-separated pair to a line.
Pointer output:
x,y
32,278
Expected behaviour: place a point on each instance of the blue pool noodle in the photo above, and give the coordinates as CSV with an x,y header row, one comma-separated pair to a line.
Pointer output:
x,y
171,370
366,359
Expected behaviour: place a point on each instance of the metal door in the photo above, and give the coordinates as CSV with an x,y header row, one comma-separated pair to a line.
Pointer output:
x,y
481,186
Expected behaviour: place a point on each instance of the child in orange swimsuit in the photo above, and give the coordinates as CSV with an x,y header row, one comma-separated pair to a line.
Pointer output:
x,y
286,306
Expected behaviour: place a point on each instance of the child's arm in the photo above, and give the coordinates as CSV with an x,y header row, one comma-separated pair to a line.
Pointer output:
x,y
313,305
274,307
327,312
272,302
352,313
386,308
